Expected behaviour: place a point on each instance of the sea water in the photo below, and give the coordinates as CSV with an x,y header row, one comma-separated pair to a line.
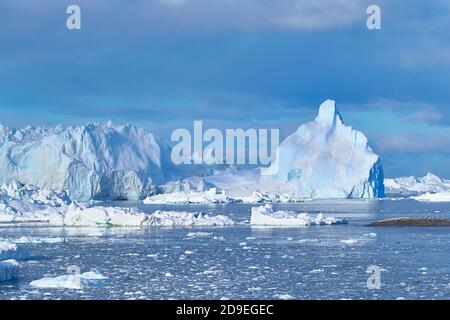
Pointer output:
x,y
244,262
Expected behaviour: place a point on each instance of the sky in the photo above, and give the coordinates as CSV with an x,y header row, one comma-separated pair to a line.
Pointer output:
x,y
161,64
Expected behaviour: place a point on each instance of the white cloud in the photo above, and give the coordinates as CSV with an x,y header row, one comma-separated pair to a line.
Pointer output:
x,y
404,143
268,14
206,15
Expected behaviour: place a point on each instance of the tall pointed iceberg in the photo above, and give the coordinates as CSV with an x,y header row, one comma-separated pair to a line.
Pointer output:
x,y
325,158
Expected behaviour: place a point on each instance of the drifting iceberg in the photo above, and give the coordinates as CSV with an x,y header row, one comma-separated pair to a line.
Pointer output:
x,y
9,267
266,216
71,281
324,158
9,270
12,251
177,219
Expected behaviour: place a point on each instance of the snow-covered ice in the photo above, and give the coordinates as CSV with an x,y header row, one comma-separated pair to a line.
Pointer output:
x,y
324,159
434,197
19,207
414,186
202,197
266,216
175,218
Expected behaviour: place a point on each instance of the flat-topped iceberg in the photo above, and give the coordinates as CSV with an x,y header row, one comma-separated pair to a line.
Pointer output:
x,y
94,160
266,216
9,270
71,281
10,250
9,267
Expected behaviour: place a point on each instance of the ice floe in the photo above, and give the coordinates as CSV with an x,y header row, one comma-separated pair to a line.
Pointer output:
x,y
266,216
71,281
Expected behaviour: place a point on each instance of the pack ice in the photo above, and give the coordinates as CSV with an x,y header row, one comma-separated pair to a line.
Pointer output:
x,y
24,203
324,158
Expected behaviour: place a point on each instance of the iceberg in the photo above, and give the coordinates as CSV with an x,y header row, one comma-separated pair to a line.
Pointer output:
x,y
71,213
9,270
324,158
205,197
71,281
90,161
10,250
415,186
266,216
190,219
9,267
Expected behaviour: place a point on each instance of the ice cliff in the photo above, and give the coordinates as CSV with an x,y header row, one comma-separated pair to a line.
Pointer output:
x,y
95,160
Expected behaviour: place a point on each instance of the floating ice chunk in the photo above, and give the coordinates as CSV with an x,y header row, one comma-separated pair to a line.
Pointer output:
x,y
174,219
12,251
317,271
112,216
266,216
93,216
71,281
204,197
371,234
284,296
349,241
198,234
9,270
